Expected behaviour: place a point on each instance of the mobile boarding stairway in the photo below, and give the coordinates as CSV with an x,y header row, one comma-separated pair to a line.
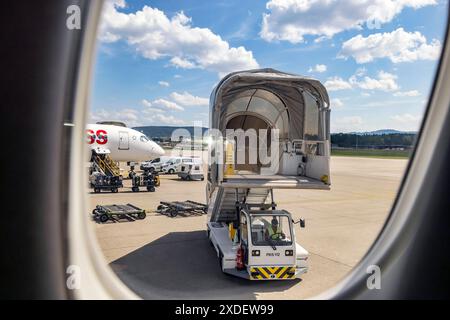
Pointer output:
x,y
105,173
285,118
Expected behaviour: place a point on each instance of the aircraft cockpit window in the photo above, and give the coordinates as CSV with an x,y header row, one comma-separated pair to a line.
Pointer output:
x,y
144,139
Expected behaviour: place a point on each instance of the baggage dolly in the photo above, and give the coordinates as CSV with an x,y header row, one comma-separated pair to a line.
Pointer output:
x,y
115,212
174,208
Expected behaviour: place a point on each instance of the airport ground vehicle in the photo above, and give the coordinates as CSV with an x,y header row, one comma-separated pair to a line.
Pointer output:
x,y
184,207
115,212
155,164
191,172
149,179
104,173
252,238
99,181
174,165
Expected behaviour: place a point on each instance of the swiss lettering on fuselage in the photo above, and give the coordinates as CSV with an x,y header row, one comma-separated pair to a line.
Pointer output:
x,y
100,136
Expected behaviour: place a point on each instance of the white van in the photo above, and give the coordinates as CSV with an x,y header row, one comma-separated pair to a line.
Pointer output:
x,y
191,172
155,164
174,164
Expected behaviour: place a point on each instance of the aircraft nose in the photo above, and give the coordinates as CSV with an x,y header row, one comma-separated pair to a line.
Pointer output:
x,y
158,150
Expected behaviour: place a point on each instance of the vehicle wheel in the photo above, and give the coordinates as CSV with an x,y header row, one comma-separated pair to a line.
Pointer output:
x,y
96,190
160,207
114,190
103,218
151,189
203,178
171,171
135,189
173,213
94,212
141,215
221,262
188,178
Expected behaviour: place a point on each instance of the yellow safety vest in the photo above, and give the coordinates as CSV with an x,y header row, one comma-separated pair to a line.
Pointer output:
x,y
272,232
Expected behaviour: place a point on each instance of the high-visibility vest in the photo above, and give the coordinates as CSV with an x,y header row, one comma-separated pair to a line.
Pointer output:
x,y
272,232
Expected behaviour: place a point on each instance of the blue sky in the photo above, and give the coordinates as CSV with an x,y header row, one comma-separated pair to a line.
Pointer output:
x,y
158,61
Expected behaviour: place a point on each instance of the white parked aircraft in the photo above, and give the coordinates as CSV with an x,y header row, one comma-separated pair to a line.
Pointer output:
x,y
121,143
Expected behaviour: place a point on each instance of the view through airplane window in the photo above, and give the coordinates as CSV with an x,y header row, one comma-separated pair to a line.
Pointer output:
x,y
270,184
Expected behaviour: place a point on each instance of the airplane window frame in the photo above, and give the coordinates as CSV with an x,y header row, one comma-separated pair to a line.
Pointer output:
x,y
100,282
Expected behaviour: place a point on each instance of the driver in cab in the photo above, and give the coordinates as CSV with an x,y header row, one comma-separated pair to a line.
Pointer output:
x,y
273,231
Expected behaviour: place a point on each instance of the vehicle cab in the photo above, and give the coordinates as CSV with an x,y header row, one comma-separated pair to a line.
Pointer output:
x,y
261,247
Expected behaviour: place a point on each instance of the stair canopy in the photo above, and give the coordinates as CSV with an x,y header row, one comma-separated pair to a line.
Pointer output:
x,y
268,99
293,104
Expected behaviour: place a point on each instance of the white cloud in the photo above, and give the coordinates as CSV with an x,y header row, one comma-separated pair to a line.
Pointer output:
x,y
182,63
406,121
152,110
177,76
129,116
154,35
291,20
163,83
406,118
347,124
135,118
336,103
384,82
411,93
167,104
168,119
337,83
146,103
318,68
188,100
398,46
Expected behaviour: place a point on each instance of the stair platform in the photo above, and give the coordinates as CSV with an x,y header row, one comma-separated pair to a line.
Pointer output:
x,y
249,180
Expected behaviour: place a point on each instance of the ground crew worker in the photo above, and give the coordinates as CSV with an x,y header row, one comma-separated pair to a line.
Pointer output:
x,y
273,232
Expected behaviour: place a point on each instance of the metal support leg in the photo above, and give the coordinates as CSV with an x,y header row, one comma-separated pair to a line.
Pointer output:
x,y
274,205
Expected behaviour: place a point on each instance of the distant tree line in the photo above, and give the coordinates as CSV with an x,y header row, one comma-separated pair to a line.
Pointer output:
x,y
396,140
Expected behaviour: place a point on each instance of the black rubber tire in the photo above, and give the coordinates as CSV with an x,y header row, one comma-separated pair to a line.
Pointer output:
x,y
141,215
173,213
103,218
171,171
221,262
151,189
188,178
114,190
135,189
96,190
160,207
94,212
202,179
